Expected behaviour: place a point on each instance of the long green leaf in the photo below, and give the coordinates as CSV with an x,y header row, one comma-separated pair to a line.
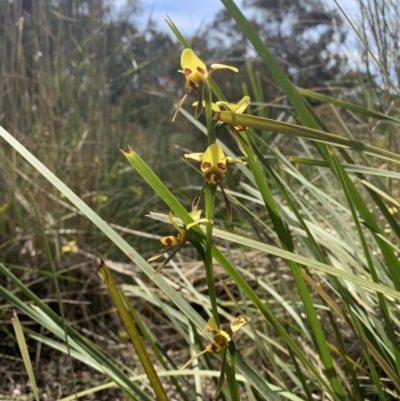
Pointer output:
x,y
348,105
304,132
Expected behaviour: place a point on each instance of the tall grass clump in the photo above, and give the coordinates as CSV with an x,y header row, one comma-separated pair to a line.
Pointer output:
x,y
279,276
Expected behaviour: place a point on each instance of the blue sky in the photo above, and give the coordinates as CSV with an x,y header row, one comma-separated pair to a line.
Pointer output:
x,y
190,16
187,15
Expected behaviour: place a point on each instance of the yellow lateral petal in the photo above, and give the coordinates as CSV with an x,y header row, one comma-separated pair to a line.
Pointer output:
x,y
217,66
239,322
232,160
194,156
242,105
180,230
212,325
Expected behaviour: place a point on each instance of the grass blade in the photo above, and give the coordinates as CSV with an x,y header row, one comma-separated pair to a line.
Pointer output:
x,y
133,334
23,348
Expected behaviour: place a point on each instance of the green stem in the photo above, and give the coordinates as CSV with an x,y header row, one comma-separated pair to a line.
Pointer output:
x,y
209,114
209,195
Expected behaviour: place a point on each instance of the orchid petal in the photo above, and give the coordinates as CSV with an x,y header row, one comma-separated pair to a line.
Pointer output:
x,y
217,66
232,160
180,230
194,156
242,105
212,326
237,108
239,322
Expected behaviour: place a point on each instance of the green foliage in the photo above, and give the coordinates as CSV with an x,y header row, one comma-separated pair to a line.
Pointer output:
x,y
304,239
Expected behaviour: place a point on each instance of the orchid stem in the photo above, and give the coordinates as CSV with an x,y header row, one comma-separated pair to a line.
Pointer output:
x,y
210,205
209,114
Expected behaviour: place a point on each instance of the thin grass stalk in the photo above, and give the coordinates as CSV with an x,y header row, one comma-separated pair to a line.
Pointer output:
x,y
316,248
359,331
56,285
371,267
287,244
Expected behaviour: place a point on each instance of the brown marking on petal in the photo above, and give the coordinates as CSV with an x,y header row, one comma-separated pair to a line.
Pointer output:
x,y
169,241
201,70
193,85
222,166
187,71
214,347
205,165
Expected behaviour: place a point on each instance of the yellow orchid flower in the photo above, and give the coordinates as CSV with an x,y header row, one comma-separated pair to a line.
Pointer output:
x,y
214,164
195,70
237,108
196,74
221,338
176,242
